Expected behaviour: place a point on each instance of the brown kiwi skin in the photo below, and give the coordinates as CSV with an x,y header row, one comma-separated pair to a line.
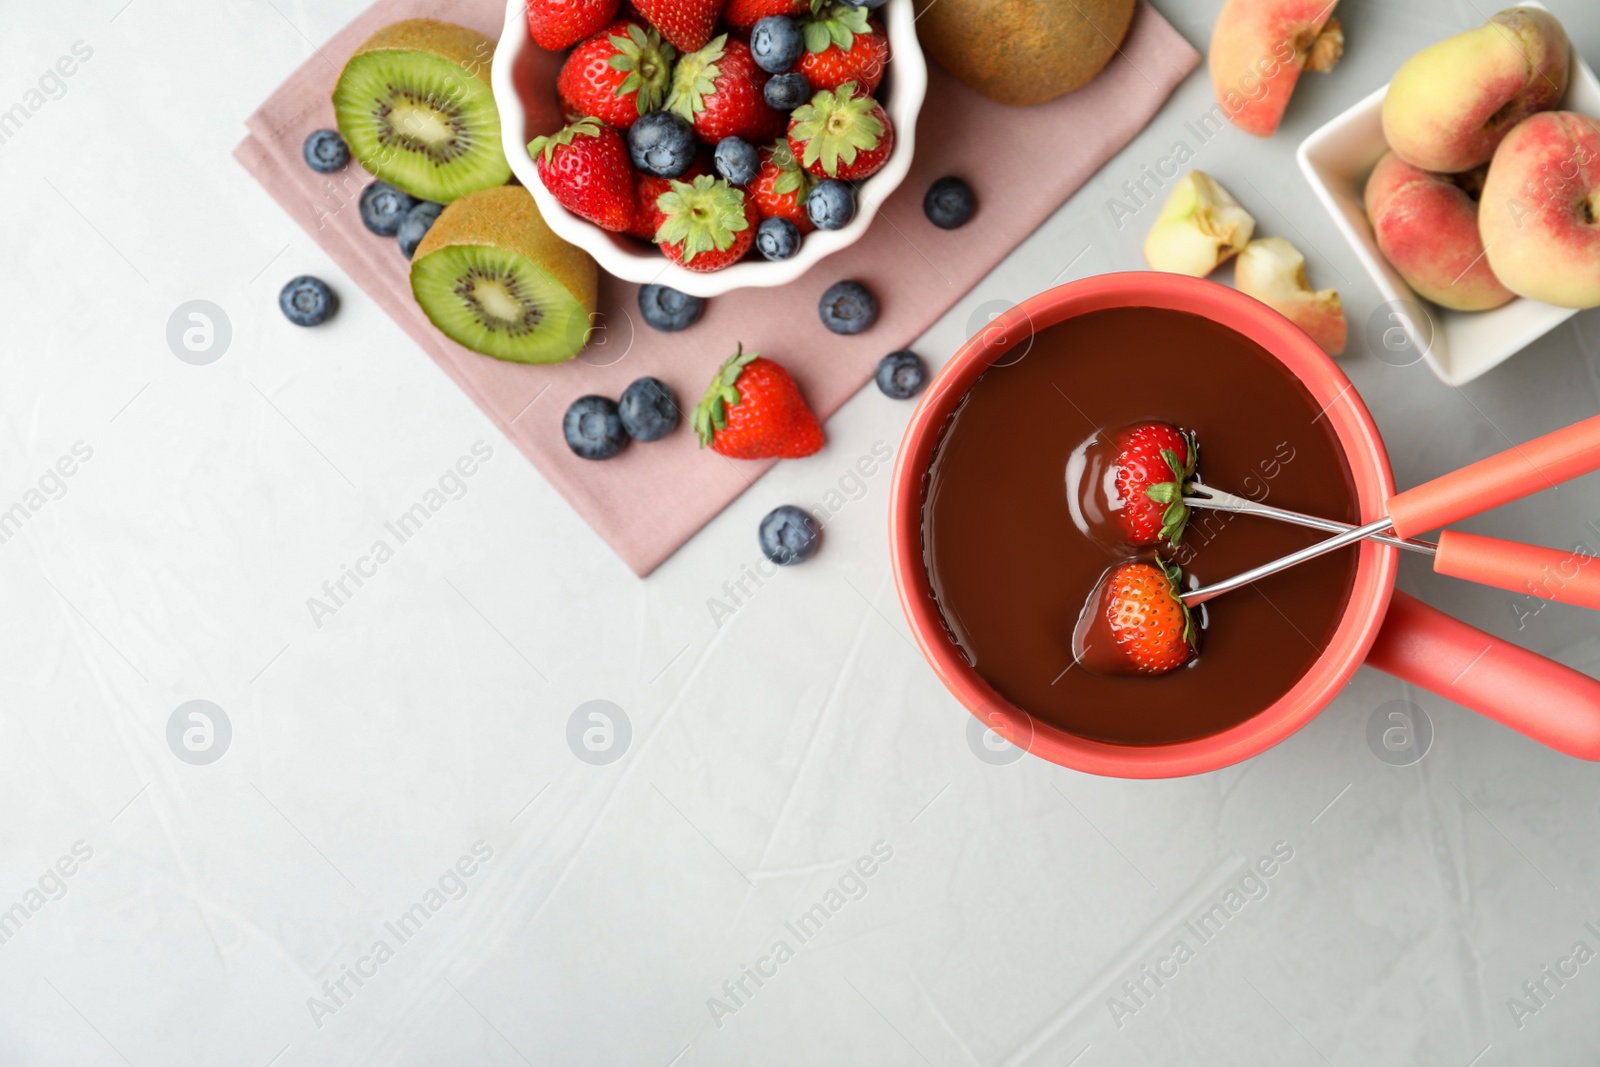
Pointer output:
x,y
506,217
464,47
1023,52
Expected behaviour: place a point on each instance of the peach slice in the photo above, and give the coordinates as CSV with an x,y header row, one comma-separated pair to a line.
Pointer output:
x,y
1452,103
1199,226
1427,228
1259,47
1274,272
1540,212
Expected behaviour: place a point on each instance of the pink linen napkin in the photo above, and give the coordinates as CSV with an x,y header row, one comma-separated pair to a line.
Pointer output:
x,y
1023,163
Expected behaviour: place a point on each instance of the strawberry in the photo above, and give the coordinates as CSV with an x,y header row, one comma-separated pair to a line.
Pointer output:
x,y
843,45
840,134
647,215
719,90
686,23
743,14
1150,464
585,166
1136,623
781,185
753,410
618,75
706,225
558,24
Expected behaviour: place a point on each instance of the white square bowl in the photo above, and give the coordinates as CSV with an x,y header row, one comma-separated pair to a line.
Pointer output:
x,y
1457,345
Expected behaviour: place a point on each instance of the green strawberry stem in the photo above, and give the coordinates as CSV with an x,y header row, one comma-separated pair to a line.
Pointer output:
x,y
702,217
647,59
834,23
836,126
1175,587
712,411
546,145
792,178
1176,517
695,78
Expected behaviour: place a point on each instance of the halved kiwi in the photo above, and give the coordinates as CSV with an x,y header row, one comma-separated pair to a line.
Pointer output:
x,y
496,279
415,106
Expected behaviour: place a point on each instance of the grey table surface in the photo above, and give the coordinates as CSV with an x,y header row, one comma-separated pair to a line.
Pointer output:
x,y
399,858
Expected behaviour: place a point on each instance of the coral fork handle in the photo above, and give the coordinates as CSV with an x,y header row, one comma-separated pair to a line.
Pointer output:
x,y
1519,471
1547,573
1551,703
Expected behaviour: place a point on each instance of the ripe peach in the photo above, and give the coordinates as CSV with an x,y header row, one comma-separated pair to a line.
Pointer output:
x,y
1258,48
1540,212
1274,272
1427,228
1452,103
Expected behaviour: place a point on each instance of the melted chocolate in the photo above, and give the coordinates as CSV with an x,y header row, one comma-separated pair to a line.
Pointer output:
x,y
1012,569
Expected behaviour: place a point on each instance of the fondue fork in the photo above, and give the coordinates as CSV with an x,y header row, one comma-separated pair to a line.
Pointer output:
x,y
1553,574
1200,495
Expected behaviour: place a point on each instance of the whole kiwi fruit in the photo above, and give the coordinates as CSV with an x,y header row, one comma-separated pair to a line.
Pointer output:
x,y
1023,52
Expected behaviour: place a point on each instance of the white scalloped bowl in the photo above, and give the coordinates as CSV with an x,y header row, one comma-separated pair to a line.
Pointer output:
x,y
524,78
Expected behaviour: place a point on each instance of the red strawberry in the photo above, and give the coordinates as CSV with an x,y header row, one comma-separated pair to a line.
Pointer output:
x,y
843,45
744,14
1135,622
840,134
753,410
617,75
781,185
686,23
585,166
558,24
719,90
647,216
706,225
1150,464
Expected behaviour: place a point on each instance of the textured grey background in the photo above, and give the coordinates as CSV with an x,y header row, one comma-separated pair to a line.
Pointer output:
x,y
370,756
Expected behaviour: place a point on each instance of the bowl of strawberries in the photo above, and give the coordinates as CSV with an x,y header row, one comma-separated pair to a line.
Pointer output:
x,y
709,145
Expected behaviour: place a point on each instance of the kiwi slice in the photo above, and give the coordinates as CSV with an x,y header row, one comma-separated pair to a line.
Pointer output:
x,y
415,106
496,279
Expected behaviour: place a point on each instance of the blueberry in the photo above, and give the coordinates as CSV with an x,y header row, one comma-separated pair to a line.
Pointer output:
x,y
415,226
778,238
847,307
593,428
949,203
737,160
307,301
870,5
383,208
776,43
831,204
901,375
785,92
789,535
661,143
326,151
669,310
649,410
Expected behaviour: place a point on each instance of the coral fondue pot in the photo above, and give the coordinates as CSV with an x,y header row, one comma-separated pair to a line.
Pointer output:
x,y
1378,625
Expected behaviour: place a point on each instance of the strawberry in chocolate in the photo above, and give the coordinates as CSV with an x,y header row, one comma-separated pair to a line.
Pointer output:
x,y
1125,487
1135,622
